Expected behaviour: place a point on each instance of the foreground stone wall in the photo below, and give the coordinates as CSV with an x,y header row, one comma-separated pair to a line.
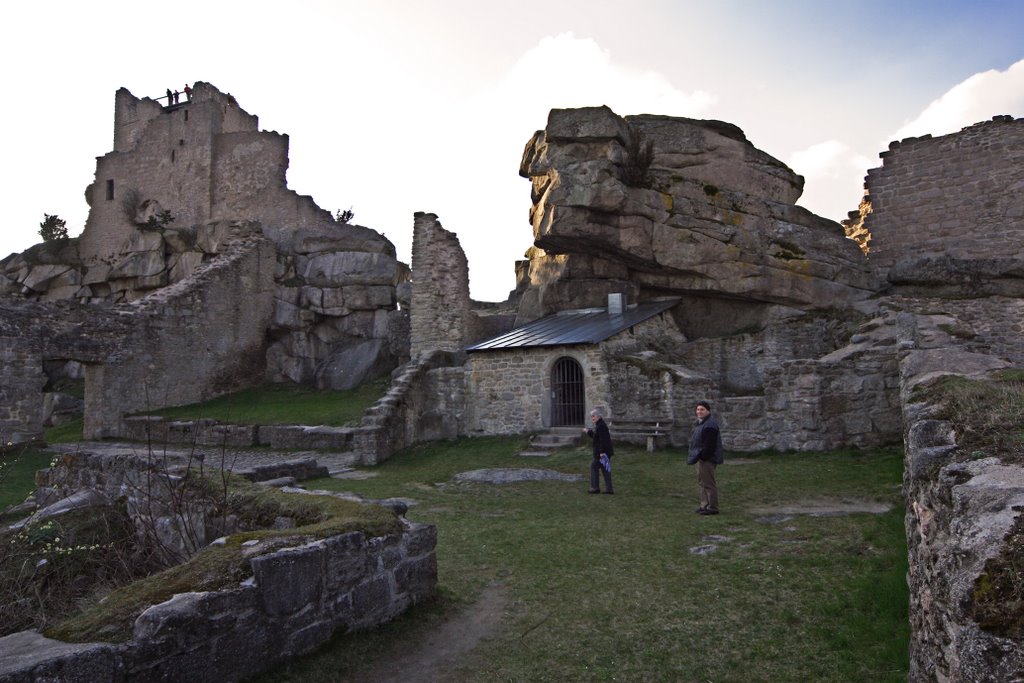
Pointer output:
x,y
297,598
960,508
299,594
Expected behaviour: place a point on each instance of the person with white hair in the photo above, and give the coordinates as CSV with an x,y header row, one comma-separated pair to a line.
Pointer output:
x,y
603,451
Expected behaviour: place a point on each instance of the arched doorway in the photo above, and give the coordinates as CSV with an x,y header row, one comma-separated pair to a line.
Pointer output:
x,y
568,402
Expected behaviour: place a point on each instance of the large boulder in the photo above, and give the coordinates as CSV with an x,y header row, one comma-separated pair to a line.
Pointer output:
x,y
662,204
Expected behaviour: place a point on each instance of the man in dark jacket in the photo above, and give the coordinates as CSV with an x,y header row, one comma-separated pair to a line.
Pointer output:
x,y
706,453
603,452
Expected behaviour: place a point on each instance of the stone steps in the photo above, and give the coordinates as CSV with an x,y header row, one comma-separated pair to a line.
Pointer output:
x,y
543,444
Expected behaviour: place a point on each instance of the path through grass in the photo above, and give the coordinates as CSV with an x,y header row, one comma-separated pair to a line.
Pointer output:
x,y
615,588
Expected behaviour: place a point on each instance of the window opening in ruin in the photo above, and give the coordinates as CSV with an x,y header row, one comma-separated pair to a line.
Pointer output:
x,y
568,404
172,155
186,114
110,189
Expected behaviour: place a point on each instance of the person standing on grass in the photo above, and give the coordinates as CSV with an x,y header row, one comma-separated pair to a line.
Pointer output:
x,y
706,453
603,452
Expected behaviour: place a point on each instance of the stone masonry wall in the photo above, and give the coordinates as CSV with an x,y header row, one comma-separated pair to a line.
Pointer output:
x,y
960,194
441,314
960,509
300,593
427,401
511,389
209,329
21,382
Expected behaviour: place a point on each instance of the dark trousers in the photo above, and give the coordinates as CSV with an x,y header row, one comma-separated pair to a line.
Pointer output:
x,y
595,467
706,484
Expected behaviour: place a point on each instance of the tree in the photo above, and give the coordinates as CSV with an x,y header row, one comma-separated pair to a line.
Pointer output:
x,y
53,228
345,216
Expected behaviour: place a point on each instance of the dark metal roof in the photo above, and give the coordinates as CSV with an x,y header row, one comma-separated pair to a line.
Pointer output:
x,y
581,326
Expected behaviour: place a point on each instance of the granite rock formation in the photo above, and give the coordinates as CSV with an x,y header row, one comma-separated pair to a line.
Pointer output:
x,y
656,204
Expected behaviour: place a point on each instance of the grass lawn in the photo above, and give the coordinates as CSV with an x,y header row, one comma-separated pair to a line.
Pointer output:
x,y
612,588
284,404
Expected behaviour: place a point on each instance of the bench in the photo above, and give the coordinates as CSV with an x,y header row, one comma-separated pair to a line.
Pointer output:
x,y
646,431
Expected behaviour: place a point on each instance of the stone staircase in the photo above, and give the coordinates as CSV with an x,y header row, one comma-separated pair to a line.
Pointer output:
x,y
541,445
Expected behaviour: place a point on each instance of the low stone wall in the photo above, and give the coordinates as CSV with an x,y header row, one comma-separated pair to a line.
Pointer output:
x,y
207,432
960,509
295,601
300,594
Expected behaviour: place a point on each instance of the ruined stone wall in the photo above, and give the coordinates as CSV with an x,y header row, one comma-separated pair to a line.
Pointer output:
x,y
300,592
191,341
961,508
441,315
21,381
957,195
162,161
427,401
511,389
842,401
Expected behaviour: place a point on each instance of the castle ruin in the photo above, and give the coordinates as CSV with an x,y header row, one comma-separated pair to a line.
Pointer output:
x,y
199,272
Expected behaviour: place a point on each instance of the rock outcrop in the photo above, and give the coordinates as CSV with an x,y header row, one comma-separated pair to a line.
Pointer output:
x,y
648,204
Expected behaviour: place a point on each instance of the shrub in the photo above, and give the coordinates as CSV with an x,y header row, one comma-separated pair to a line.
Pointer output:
x,y
53,228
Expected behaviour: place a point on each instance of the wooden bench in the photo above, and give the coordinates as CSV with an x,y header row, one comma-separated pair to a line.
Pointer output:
x,y
646,431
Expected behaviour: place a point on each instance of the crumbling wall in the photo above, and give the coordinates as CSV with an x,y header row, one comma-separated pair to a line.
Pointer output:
x,y
427,401
300,593
958,196
21,380
960,510
209,329
440,317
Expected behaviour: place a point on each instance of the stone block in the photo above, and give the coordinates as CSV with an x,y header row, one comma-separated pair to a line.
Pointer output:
x,y
371,601
29,657
289,579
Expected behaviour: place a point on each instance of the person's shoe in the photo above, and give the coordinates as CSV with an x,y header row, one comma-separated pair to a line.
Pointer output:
x,y
708,511
593,491
700,510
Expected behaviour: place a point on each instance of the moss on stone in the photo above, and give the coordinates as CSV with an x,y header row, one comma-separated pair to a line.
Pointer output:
x,y
222,566
998,595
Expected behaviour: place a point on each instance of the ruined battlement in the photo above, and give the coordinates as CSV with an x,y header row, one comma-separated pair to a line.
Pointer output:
x,y
957,196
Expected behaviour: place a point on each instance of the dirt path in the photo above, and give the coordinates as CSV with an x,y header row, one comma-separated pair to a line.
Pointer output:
x,y
436,657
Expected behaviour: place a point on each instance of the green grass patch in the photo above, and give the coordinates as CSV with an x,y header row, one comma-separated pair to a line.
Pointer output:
x,y
605,588
987,415
283,404
17,474
66,433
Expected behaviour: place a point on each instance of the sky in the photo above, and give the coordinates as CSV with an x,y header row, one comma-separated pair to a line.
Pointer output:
x,y
399,106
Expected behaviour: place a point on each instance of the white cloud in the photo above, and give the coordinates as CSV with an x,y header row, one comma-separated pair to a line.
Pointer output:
x,y
492,129
822,159
832,175
979,98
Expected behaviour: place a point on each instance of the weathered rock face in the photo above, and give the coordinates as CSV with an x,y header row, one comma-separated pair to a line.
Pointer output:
x,y
648,204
